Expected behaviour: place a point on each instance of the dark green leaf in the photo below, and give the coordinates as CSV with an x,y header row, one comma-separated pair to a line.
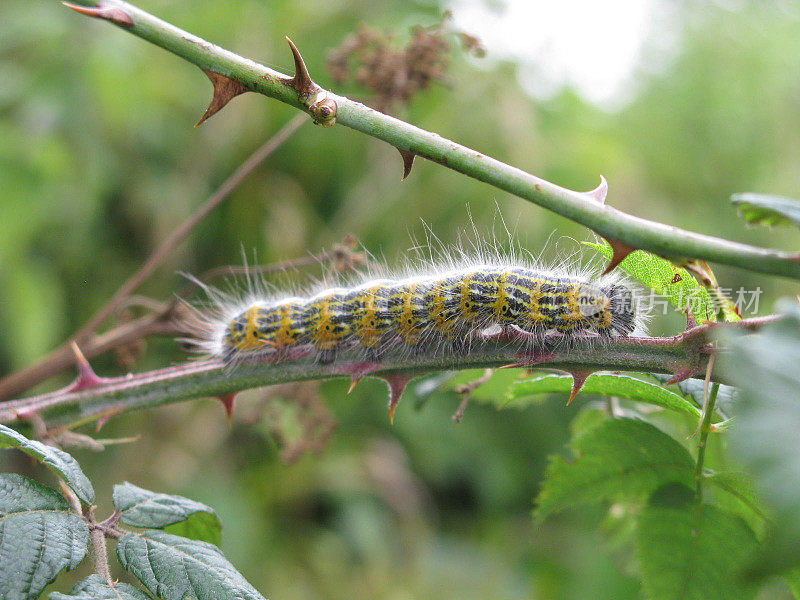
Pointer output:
x,y
622,386
690,552
621,459
763,209
95,587
38,537
176,568
663,277
739,487
765,367
143,508
58,460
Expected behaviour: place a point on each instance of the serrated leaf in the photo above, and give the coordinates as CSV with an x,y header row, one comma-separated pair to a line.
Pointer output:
x,y
605,384
95,587
38,537
176,568
765,368
619,460
686,552
143,508
765,209
677,285
59,461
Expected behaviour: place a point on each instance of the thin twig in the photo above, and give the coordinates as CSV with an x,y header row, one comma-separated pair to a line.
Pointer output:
x,y
97,537
709,401
62,357
466,390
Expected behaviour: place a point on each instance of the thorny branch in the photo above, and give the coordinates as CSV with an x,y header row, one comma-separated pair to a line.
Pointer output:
x,y
685,355
625,232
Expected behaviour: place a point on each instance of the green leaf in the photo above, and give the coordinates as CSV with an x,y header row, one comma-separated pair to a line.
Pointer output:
x,y
764,209
38,537
58,460
620,459
95,587
622,386
176,568
143,508
690,552
663,277
765,439
793,581
694,388
740,488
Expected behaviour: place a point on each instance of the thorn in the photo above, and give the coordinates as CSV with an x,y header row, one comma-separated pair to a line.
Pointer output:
x,y
353,384
227,401
302,80
408,162
225,89
397,384
599,193
515,365
86,378
621,251
691,322
106,417
108,13
680,375
578,379
529,360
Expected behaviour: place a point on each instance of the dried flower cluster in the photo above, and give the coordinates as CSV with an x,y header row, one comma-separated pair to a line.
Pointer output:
x,y
395,74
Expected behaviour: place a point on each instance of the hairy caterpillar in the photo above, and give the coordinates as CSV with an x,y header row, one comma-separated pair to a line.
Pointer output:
x,y
439,310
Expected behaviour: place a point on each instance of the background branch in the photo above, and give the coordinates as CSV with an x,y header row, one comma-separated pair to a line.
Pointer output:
x,y
627,231
162,323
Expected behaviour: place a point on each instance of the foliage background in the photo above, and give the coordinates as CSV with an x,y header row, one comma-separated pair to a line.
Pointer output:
x,y
98,162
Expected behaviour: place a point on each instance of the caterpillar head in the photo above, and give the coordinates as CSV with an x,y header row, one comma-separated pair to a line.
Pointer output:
x,y
609,308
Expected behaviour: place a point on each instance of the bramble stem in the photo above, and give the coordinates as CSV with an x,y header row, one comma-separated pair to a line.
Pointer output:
x,y
212,378
670,242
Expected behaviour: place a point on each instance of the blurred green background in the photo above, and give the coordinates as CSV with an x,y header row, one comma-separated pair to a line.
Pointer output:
x,y
99,162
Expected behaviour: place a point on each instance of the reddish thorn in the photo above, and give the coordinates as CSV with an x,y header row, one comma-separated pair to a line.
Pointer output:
x,y
108,13
680,375
24,415
106,416
353,384
529,360
87,378
620,252
302,80
599,193
408,162
225,89
691,322
227,401
397,384
578,379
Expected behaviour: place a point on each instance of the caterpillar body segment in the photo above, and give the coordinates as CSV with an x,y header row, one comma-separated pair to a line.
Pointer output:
x,y
428,313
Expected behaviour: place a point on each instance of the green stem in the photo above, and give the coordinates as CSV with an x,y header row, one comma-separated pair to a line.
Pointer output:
x,y
664,240
705,429
212,378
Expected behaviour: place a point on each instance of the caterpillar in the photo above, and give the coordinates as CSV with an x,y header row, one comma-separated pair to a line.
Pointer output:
x,y
442,310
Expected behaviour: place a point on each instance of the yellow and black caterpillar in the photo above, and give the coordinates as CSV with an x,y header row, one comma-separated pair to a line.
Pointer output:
x,y
445,312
